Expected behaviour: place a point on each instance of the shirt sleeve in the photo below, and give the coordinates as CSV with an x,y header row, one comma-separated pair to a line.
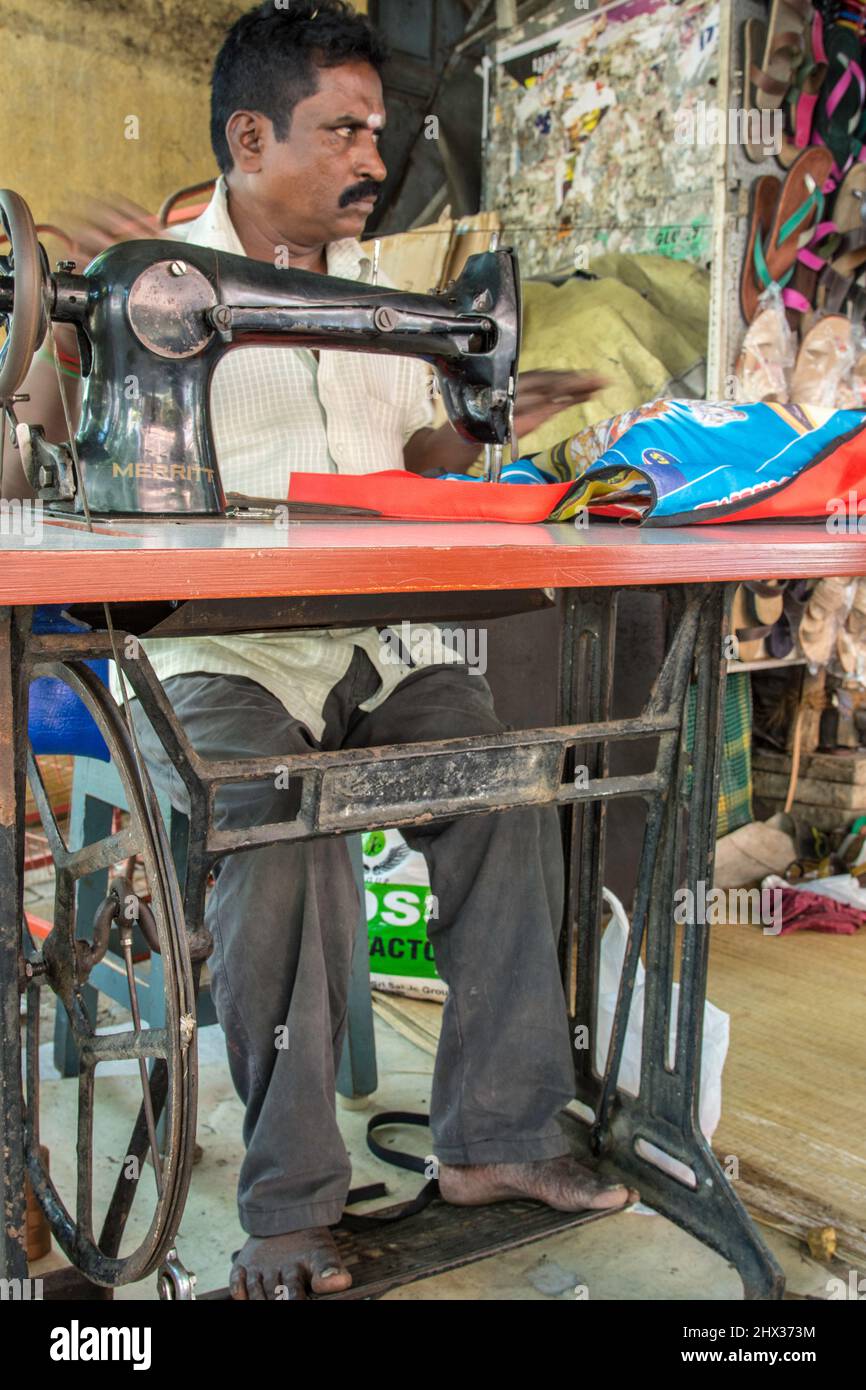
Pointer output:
x,y
416,386
419,401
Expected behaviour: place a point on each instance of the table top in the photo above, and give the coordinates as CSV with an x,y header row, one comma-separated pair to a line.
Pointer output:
x,y
131,561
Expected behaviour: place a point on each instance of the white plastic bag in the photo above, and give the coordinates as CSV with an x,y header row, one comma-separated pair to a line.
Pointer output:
x,y
716,1029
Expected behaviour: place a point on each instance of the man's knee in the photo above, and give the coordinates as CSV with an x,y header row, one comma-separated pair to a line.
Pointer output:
x,y
452,701
231,718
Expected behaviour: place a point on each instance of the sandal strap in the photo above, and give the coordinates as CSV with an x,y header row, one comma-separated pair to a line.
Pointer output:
x,y
853,72
819,52
771,85
836,289
787,41
793,299
851,241
765,279
800,214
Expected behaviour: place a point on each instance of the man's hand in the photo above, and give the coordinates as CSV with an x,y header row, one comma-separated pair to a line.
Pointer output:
x,y
541,395
98,223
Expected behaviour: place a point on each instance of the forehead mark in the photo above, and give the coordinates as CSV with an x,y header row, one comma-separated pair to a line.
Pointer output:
x,y
375,121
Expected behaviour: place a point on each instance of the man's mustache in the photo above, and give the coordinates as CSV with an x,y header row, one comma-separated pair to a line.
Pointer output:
x,y
358,192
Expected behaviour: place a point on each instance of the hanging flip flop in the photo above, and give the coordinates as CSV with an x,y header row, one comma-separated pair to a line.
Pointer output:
x,y
797,222
803,97
784,51
842,99
848,253
807,176
754,43
764,197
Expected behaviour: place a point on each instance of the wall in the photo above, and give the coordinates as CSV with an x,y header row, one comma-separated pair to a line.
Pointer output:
x,y
75,70
582,150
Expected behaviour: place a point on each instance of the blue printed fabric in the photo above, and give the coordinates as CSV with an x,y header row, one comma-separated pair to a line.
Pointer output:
x,y
671,463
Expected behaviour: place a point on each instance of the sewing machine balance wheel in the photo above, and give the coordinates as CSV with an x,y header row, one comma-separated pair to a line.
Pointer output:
x,y
26,323
153,1163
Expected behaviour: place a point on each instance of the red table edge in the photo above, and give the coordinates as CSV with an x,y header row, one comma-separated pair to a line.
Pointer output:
x,y
154,574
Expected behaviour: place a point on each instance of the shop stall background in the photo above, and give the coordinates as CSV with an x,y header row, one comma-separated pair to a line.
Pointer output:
x,y
580,158
583,151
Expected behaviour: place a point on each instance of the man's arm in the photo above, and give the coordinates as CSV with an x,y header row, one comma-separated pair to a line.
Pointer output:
x,y
540,396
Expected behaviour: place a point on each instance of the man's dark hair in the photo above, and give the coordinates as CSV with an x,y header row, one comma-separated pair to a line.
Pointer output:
x,y
269,59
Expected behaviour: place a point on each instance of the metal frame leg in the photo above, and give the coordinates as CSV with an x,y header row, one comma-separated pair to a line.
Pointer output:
x,y
665,1113
14,624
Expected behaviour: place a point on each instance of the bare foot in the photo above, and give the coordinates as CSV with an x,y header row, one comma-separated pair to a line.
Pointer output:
x,y
290,1266
561,1183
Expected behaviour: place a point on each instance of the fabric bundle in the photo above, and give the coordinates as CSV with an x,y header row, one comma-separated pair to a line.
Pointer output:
x,y
668,463
803,911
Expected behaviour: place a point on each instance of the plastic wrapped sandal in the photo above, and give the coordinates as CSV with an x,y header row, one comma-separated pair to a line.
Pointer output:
x,y
825,359
768,353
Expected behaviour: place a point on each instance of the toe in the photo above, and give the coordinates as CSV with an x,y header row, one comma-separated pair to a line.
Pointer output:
x,y
329,1275
238,1282
611,1197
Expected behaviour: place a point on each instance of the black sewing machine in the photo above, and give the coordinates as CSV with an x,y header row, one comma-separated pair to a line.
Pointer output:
x,y
153,318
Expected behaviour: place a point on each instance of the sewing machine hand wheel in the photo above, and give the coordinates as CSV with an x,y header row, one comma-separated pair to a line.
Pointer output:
x,y
66,963
26,323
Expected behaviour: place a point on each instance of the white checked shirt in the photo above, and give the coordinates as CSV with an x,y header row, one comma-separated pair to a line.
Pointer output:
x,y
274,409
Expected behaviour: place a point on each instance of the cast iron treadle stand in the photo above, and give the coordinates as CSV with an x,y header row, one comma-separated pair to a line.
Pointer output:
x,y
402,785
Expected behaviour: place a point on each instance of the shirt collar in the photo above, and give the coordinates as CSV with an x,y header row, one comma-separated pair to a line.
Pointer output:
x,y
345,258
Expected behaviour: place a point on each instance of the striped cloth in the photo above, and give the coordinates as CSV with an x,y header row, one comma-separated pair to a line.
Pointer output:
x,y
735,783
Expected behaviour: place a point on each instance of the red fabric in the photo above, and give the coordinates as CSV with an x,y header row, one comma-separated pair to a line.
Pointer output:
x,y
805,498
406,497
803,911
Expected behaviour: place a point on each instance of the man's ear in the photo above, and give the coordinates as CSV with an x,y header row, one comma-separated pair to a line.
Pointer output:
x,y
245,134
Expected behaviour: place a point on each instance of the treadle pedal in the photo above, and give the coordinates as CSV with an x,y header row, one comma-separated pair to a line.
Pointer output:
x,y
443,1237
439,1238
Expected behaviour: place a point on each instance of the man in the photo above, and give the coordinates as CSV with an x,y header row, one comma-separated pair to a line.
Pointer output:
x,y
297,113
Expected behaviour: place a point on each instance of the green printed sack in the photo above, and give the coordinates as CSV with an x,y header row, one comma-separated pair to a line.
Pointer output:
x,y
399,905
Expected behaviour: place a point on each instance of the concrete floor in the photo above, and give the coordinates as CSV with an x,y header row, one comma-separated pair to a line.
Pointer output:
x,y
631,1256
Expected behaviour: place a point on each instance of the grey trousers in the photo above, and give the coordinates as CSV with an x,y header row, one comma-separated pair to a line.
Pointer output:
x,y
283,919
